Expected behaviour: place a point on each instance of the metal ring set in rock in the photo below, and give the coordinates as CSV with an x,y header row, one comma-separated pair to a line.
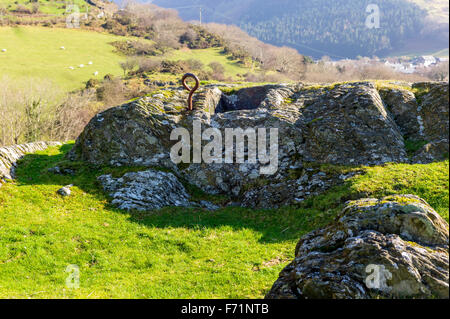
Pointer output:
x,y
191,91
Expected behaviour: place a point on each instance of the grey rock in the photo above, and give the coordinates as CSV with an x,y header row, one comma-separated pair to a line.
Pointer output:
x,y
422,118
208,205
433,151
9,155
61,171
395,247
345,124
65,191
145,190
149,190
405,110
434,108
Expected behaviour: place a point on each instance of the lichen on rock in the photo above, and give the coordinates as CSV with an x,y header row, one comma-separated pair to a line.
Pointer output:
x,y
148,190
394,247
9,155
344,124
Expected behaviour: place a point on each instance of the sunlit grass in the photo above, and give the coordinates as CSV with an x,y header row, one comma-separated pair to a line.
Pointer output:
x,y
35,52
45,6
171,253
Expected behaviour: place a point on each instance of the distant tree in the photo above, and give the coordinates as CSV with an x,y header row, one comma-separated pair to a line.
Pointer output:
x,y
217,67
35,8
195,65
128,65
438,72
189,36
149,65
290,62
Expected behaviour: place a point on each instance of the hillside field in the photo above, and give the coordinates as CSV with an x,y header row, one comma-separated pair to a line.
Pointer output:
x,y
49,7
35,52
173,252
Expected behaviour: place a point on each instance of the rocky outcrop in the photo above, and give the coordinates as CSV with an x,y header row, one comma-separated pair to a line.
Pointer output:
x,y
405,111
423,117
9,155
433,151
394,247
148,190
345,124
433,105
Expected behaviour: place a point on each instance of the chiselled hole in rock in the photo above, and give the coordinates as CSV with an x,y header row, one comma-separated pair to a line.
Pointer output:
x,y
243,99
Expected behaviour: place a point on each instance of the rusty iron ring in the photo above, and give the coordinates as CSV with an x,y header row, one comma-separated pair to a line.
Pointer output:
x,y
191,91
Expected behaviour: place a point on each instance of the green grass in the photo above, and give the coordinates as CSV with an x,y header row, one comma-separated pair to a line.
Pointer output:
x,y
412,146
171,253
442,53
45,6
411,53
34,52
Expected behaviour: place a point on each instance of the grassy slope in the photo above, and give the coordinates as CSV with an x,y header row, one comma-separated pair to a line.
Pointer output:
x,y
414,52
35,52
442,53
51,7
438,11
172,253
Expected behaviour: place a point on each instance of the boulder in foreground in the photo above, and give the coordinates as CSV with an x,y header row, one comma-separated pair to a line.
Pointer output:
x,y
394,247
148,190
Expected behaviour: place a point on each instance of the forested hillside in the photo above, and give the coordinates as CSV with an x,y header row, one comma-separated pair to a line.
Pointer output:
x,y
322,27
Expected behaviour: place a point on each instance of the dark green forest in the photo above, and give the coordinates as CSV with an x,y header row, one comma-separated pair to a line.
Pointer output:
x,y
315,27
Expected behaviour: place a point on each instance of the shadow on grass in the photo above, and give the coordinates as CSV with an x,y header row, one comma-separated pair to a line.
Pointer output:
x,y
274,225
